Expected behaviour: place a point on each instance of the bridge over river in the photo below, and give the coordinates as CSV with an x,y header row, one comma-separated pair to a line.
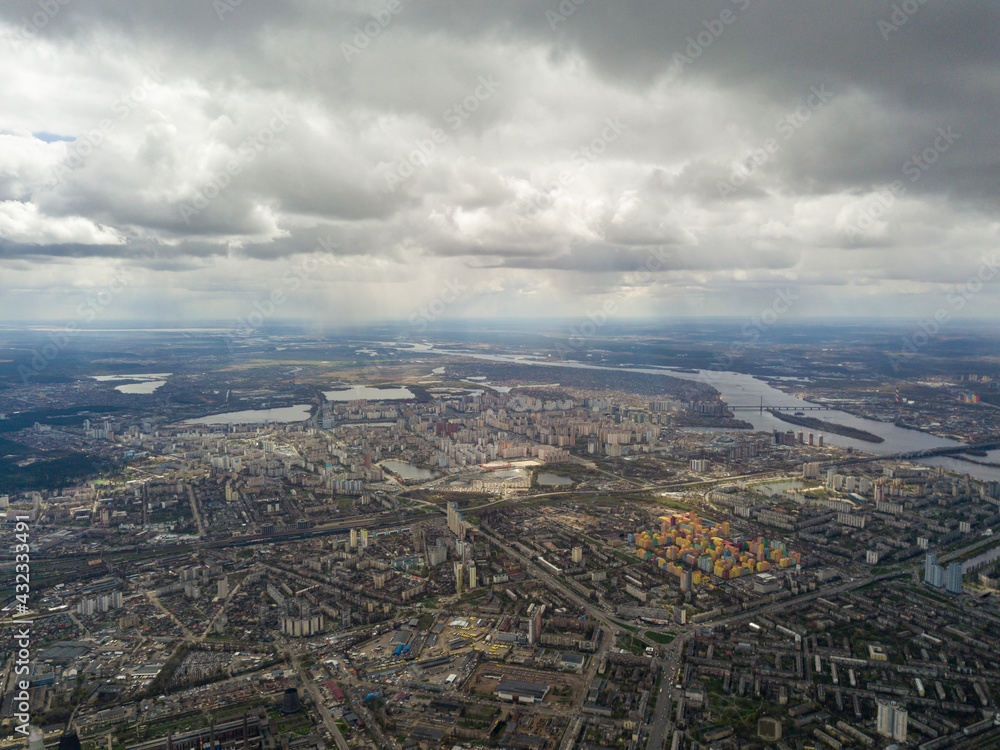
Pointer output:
x,y
762,407
949,450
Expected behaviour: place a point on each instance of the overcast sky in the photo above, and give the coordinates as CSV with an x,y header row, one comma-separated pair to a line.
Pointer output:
x,y
360,160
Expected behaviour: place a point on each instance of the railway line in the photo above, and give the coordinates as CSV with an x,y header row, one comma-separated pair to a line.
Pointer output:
x,y
372,523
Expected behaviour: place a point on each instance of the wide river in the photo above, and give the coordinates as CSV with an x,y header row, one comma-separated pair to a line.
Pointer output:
x,y
738,389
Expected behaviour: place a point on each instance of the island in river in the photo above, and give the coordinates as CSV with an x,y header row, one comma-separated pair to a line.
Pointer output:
x,y
818,424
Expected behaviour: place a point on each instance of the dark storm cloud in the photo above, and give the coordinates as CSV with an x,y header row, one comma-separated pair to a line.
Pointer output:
x,y
754,139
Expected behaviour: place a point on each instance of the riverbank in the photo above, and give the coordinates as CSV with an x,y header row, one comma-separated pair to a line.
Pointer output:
x,y
832,427
693,419
965,457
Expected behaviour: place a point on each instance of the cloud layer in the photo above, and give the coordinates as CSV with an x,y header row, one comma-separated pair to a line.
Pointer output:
x,y
679,159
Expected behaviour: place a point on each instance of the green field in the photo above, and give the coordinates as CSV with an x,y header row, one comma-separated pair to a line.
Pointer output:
x,y
630,643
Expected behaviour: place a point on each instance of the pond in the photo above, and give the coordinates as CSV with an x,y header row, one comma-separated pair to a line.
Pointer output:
x,y
369,393
407,471
149,382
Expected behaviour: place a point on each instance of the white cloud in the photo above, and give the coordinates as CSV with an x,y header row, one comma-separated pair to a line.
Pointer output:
x,y
507,199
24,224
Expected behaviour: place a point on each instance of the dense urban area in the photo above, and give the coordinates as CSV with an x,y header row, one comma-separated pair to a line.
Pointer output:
x,y
292,543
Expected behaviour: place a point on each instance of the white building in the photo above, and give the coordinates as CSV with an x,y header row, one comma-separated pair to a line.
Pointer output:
x,y
892,720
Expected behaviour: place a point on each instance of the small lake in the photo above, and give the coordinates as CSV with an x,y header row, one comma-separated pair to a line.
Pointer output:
x,y
149,382
407,471
144,388
297,413
484,384
369,393
546,479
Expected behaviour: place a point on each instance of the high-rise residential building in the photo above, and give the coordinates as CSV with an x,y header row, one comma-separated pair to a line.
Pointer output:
x,y
354,538
687,578
953,578
930,563
577,555
535,624
418,539
937,576
458,576
455,521
472,575
892,720
436,555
